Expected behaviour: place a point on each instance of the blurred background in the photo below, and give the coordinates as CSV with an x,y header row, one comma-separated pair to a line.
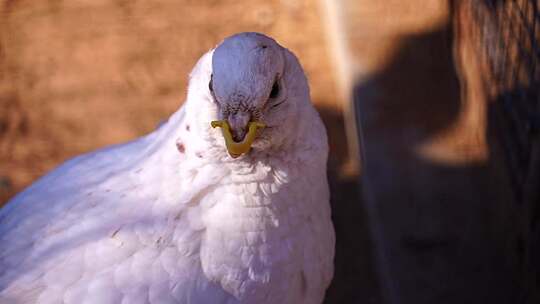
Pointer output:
x,y
432,110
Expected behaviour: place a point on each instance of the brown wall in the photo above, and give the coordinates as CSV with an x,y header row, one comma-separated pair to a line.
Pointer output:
x,y
78,75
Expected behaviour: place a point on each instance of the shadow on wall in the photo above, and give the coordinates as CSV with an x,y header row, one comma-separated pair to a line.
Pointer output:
x,y
443,231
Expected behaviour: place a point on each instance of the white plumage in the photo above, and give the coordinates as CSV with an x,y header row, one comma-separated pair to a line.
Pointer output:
x,y
171,217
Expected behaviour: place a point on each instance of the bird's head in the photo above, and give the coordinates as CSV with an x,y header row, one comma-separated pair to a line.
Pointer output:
x,y
256,89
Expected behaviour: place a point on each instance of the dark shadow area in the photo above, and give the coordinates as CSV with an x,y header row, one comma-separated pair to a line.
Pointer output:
x,y
523,180
354,277
443,232
511,52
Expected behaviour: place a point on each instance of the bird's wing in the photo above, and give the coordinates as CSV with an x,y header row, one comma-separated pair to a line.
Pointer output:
x,y
58,214
95,222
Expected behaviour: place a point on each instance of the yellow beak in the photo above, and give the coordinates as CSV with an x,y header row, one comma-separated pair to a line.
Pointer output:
x,y
238,148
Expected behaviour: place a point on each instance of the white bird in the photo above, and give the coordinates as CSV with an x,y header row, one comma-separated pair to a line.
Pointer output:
x,y
179,215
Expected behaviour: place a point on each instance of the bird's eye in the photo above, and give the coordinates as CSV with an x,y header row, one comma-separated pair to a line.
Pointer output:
x,y
210,84
275,90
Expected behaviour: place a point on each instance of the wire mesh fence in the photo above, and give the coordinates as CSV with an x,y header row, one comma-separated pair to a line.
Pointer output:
x,y
507,35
